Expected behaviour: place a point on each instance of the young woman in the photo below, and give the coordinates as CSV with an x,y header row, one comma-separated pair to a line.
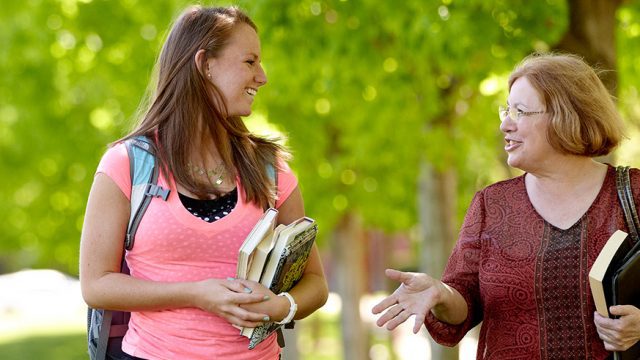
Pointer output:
x,y
181,291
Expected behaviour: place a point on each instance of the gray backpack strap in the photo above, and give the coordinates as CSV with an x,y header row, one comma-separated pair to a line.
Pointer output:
x,y
103,337
144,183
107,324
272,172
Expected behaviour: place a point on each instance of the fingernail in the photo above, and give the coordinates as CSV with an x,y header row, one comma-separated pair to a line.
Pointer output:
x,y
266,297
266,318
230,278
247,290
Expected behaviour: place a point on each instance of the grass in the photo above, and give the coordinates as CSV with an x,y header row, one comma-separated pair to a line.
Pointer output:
x,y
73,346
69,346
27,337
318,340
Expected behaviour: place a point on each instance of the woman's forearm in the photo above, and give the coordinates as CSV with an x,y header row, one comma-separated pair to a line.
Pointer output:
x,y
452,308
311,293
115,291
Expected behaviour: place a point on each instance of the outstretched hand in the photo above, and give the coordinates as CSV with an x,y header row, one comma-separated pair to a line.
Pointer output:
x,y
225,297
416,295
622,333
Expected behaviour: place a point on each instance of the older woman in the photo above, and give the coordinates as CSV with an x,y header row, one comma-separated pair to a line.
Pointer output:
x,y
523,256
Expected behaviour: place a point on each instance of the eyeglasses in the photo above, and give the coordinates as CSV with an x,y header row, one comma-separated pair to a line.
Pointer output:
x,y
515,114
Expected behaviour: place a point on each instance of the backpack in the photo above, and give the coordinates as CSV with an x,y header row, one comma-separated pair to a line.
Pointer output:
x,y
106,328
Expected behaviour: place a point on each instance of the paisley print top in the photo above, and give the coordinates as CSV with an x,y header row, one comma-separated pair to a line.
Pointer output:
x,y
527,280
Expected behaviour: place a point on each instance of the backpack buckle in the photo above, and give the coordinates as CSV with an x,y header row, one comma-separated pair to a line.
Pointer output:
x,y
158,191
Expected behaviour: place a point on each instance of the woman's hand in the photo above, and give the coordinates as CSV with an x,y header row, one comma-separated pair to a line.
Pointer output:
x,y
622,333
417,295
227,298
276,307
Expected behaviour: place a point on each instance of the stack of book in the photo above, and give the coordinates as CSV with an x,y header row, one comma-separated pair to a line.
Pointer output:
x,y
276,257
614,279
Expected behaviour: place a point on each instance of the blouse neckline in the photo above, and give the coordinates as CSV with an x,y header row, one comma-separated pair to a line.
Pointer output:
x,y
189,220
604,185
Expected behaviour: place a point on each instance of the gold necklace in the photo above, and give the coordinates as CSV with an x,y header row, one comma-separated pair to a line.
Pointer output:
x,y
216,174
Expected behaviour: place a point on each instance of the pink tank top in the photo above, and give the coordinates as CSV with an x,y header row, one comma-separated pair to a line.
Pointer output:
x,y
171,244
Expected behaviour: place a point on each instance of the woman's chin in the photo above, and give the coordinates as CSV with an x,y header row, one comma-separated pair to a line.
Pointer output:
x,y
513,162
244,113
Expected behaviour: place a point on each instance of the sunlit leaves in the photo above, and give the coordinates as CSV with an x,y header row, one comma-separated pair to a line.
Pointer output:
x,y
70,83
364,90
385,84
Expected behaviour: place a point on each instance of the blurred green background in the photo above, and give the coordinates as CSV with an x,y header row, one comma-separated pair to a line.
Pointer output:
x,y
390,108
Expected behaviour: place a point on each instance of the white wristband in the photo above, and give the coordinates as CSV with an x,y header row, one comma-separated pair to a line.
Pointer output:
x,y
292,309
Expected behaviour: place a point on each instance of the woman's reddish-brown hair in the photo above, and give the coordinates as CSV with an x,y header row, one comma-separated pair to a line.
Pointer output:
x,y
584,118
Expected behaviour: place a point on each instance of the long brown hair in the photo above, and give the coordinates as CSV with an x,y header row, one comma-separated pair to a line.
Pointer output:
x,y
584,118
184,108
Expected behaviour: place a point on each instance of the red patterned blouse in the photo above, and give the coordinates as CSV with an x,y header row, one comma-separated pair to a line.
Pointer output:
x,y
527,280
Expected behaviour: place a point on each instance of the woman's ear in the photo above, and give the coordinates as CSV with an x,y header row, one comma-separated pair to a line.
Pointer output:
x,y
201,63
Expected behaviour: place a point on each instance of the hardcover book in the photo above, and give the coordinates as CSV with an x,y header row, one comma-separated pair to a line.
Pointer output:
x,y
602,271
261,254
614,279
262,232
284,267
625,291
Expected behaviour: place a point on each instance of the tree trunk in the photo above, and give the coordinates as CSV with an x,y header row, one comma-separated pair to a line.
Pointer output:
x,y
436,204
591,34
348,252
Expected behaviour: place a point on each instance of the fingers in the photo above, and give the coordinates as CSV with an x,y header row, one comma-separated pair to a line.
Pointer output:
x,y
394,274
244,292
249,284
612,341
392,299
384,304
607,324
226,299
397,315
622,310
616,334
401,317
414,282
388,315
237,285
243,299
418,324
600,320
242,317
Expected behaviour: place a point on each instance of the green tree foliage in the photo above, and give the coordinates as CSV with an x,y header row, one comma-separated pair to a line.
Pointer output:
x,y
628,45
364,89
368,88
74,74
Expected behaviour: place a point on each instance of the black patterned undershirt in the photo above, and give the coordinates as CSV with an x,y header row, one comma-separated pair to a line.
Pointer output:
x,y
563,326
211,210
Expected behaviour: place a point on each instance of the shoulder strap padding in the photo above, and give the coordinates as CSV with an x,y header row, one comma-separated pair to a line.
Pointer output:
x,y
272,172
625,195
144,178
